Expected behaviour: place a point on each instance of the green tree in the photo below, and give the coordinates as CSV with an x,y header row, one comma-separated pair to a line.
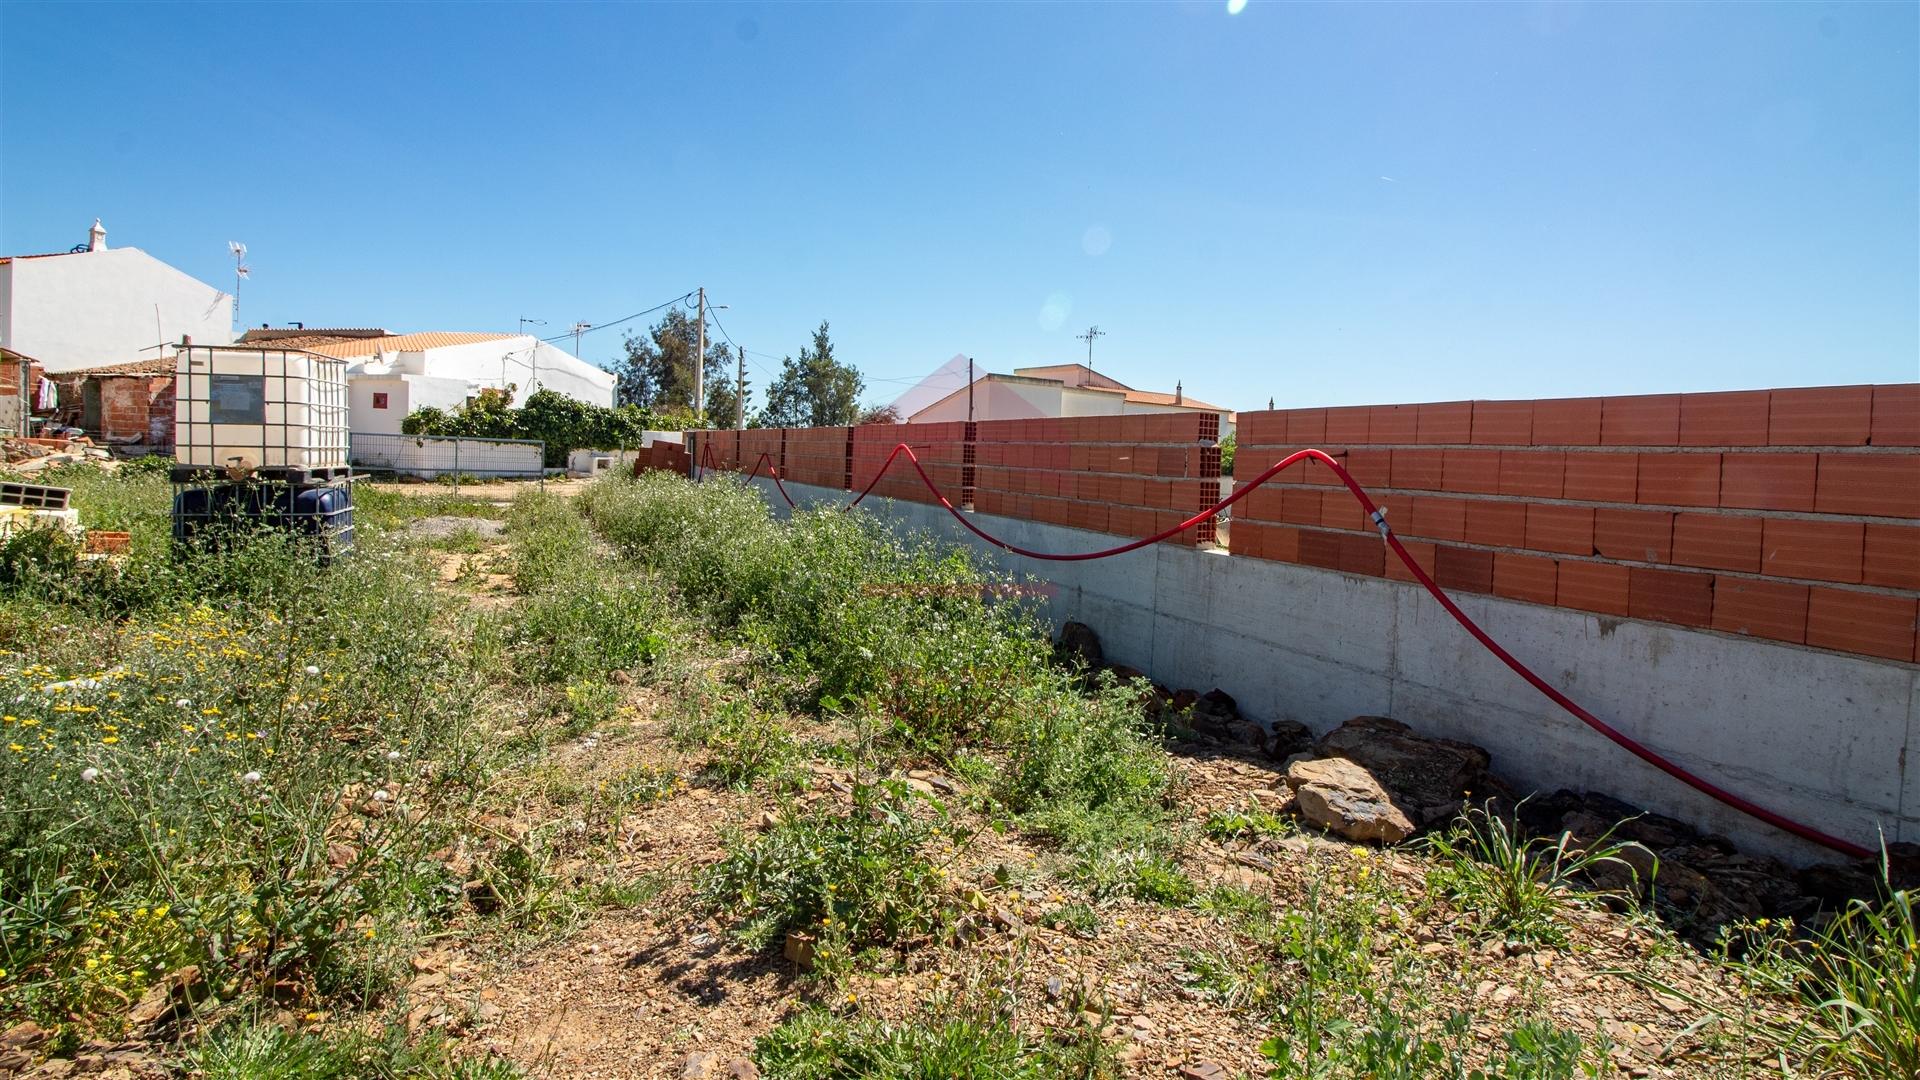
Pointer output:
x,y
657,371
565,424
816,390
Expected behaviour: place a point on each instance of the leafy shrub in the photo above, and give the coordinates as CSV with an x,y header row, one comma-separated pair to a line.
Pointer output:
x,y
860,877
576,622
914,632
1246,822
565,424
746,745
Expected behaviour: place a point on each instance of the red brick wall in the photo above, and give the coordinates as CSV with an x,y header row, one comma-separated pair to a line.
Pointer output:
x,y
1786,514
1132,475
10,376
136,407
1128,475
940,448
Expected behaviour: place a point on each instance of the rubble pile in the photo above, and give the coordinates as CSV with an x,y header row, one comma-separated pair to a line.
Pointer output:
x,y
23,455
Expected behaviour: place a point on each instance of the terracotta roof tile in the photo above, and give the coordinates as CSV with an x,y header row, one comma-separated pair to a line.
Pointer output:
x,y
432,339
1151,397
153,365
319,335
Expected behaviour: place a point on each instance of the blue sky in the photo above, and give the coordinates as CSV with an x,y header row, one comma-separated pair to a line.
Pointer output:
x,y
1319,204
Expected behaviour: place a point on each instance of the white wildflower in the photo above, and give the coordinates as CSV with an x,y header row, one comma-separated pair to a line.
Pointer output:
x,y
312,669
381,795
252,777
393,755
89,775
183,703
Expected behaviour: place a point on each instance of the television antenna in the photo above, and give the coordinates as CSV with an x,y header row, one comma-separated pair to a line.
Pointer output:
x,y
241,272
1092,332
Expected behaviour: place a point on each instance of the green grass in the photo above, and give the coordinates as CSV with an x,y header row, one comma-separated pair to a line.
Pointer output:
x,y
1515,886
911,639
1842,1001
251,1051
387,509
943,1043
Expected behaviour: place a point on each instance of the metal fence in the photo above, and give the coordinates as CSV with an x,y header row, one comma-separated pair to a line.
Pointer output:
x,y
446,455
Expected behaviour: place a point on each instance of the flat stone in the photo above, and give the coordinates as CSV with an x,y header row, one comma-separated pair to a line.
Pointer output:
x,y
1341,797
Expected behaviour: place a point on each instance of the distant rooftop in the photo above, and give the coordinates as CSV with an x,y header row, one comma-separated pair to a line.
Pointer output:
x,y
153,365
368,346
279,335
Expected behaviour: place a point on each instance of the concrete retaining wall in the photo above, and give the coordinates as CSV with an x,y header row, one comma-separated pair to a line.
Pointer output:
x,y
1819,736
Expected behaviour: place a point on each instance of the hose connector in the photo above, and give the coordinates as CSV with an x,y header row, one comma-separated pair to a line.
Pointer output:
x,y
1379,516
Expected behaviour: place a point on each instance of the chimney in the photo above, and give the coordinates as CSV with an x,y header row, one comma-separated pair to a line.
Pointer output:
x,y
1179,395
97,237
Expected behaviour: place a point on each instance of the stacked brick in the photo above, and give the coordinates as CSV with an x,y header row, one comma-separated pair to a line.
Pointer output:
x,y
1128,475
664,455
1792,515
1133,475
817,456
719,450
941,448
755,442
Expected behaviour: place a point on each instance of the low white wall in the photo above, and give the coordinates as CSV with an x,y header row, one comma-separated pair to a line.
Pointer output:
x,y
1820,737
429,457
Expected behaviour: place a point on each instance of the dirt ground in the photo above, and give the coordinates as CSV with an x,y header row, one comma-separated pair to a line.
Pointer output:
x,y
658,988
492,490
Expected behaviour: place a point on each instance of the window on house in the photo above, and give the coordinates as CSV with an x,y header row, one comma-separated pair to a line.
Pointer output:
x,y
379,400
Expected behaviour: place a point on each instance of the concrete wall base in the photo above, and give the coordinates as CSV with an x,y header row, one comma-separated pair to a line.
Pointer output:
x,y
1821,737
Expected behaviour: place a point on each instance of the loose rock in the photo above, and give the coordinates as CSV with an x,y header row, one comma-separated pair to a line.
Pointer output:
x,y
1344,799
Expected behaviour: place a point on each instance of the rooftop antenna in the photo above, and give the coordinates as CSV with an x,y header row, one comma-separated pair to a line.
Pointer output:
x,y
1092,332
241,271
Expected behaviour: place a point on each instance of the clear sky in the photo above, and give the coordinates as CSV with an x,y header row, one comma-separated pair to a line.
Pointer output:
x,y
1321,204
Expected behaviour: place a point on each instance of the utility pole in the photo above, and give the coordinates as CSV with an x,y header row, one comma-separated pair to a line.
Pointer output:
x,y
1092,332
969,389
740,389
700,361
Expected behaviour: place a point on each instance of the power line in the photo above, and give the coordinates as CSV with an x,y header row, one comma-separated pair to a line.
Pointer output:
x,y
627,319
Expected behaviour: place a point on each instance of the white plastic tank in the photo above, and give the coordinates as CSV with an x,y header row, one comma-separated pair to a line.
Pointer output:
x,y
245,409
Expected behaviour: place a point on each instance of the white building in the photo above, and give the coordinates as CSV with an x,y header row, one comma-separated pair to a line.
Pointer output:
x,y
390,375
1060,390
94,307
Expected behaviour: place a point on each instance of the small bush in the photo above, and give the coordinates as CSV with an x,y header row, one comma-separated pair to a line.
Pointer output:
x,y
863,877
1249,822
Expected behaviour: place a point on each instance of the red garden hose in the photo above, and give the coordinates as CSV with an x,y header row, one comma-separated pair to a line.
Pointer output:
x,y
1379,518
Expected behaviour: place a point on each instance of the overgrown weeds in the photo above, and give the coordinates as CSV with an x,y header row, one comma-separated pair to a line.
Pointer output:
x,y
1841,1001
872,874
1513,885
949,1040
